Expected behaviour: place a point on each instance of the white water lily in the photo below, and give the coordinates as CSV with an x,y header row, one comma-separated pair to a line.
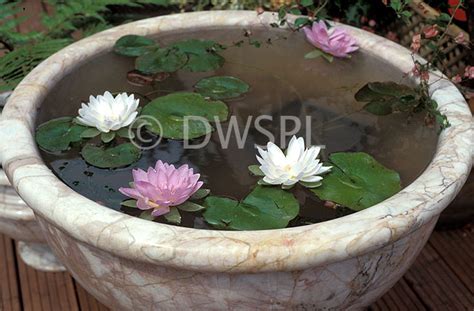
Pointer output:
x,y
297,165
107,113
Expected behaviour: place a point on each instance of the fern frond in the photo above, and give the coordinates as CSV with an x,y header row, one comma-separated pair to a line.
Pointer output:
x,y
69,15
15,65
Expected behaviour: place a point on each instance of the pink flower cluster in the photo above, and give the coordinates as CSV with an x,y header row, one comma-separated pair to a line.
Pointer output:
x,y
161,187
335,41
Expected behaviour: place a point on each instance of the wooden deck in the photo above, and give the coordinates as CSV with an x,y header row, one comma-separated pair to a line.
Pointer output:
x,y
442,278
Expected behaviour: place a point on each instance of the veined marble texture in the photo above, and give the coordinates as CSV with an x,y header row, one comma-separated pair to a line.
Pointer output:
x,y
18,221
130,263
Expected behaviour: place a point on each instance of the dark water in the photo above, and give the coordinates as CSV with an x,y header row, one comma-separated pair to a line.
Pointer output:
x,y
282,83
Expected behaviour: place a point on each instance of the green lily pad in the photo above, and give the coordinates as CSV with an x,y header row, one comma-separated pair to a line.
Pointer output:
x,y
161,60
204,62
113,157
170,111
57,134
387,97
202,54
132,45
263,208
221,87
357,181
196,46
90,133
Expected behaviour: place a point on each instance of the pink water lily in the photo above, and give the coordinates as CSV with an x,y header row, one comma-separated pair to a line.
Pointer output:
x,y
162,187
335,41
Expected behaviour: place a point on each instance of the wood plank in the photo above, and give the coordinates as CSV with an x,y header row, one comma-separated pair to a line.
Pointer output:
x,y
436,284
456,249
400,297
87,302
10,299
46,290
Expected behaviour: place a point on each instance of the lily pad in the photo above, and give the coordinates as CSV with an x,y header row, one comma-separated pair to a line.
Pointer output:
x,y
113,157
387,97
171,110
57,134
196,46
204,62
357,181
132,45
221,87
161,60
202,54
263,208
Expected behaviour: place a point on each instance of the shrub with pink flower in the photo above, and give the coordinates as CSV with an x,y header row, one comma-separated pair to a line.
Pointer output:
x,y
415,43
335,41
430,31
469,72
163,186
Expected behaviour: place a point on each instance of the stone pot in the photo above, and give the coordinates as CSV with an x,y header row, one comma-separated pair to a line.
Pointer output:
x,y
132,264
18,221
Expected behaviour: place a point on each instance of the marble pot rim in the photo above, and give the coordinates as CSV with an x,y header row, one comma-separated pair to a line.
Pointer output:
x,y
227,251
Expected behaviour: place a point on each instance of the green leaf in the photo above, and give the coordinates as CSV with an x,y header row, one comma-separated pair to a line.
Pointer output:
x,y
125,133
196,46
295,11
263,208
306,3
113,157
311,184
200,194
161,60
204,62
146,215
301,21
173,216
221,87
380,107
132,45
190,207
107,137
129,203
357,181
261,182
201,54
90,132
386,97
313,54
57,134
255,170
170,111
317,53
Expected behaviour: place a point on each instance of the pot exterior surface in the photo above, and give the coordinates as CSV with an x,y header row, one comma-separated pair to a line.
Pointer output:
x,y
124,284
130,263
16,218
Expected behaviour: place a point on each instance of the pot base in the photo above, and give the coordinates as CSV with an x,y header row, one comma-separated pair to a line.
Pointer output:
x,y
39,256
